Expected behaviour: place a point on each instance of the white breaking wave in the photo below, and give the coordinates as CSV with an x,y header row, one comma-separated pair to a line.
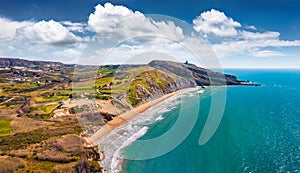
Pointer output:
x,y
123,136
159,118
115,165
201,91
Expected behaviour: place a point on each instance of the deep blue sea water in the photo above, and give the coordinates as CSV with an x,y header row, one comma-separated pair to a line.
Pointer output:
x,y
259,131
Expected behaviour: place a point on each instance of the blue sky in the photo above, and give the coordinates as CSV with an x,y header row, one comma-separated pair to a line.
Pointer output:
x,y
250,34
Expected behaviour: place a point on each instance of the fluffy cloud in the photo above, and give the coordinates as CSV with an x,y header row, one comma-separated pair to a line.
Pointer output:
x,y
9,28
43,40
108,17
215,23
50,32
120,22
231,38
45,32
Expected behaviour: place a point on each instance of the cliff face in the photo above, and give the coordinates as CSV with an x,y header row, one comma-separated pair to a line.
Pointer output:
x,y
150,84
198,75
168,76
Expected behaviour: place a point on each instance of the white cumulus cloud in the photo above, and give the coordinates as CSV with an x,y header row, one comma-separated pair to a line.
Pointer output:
x,y
50,32
231,38
216,23
9,28
119,22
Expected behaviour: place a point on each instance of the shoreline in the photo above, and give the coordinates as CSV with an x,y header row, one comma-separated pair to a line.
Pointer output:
x,y
125,117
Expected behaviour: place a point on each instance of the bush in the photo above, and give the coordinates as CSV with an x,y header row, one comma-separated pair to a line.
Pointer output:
x,y
58,146
23,153
82,167
54,156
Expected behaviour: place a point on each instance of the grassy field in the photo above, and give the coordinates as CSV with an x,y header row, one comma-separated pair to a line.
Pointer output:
x,y
58,95
9,87
103,71
5,128
49,108
45,99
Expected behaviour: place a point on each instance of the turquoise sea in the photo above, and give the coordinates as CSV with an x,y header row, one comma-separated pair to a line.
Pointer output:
x,y
259,131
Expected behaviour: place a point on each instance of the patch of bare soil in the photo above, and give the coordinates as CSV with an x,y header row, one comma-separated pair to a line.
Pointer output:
x,y
27,124
8,113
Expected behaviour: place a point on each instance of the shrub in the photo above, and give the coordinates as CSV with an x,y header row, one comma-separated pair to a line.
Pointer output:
x,y
58,146
23,153
54,156
82,167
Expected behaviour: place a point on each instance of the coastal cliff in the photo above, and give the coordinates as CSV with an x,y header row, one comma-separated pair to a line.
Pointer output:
x,y
167,76
201,76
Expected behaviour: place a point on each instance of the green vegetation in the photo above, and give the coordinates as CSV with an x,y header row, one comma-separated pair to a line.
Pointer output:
x,y
49,98
5,128
104,70
49,108
81,90
102,81
36,166
145,81
42,112
133,101
54,96
16,87
139,70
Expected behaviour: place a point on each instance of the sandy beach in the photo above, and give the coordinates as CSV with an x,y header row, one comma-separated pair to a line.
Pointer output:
x,y
123,118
